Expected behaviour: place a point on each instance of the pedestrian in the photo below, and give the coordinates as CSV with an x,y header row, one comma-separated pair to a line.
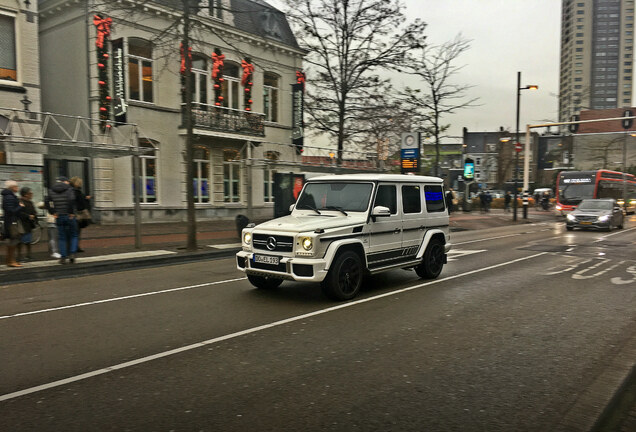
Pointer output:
x,y
29,220
61,204
83,208
507,200
482,201
449,200
488,200
51,231
11,209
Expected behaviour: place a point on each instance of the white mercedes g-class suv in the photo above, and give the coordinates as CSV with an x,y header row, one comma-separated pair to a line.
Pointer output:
x,y
344,227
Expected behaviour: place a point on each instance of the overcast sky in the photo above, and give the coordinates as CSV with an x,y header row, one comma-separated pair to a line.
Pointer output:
x,y
507,36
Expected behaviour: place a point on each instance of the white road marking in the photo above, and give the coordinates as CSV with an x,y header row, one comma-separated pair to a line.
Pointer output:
x,y
567,267
623,231
620,281
581,274
248,331
487,239
114,299
455,254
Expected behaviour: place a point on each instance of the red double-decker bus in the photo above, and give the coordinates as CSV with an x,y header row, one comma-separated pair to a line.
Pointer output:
x,y
574,186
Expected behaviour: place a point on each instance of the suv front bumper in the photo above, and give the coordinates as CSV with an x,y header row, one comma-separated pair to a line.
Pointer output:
x,y
289,268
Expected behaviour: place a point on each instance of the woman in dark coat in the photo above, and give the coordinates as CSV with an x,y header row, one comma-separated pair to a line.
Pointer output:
x,y
82,203
11,208
29,219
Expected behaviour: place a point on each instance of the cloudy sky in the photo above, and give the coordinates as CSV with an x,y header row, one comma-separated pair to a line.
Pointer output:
x,y
507,36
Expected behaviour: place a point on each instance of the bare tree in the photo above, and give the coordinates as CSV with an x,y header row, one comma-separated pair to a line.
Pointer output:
x,y
349,42
435,66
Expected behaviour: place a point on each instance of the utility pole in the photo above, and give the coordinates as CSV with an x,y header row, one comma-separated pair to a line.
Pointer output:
x,y
187,118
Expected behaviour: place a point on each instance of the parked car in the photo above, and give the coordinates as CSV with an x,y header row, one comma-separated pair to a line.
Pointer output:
x,y
345,226
602,214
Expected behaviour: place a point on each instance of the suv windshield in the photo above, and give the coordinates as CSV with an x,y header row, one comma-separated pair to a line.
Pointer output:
x,y
337,196
595,205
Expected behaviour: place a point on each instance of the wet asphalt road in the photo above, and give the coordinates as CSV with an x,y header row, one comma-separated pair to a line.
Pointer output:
x,y
522,323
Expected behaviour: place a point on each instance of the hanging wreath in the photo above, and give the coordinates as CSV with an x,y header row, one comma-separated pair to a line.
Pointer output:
x,y
246,81
103,33
217,76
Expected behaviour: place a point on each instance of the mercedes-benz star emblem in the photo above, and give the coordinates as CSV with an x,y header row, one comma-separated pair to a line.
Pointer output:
x,y
271,243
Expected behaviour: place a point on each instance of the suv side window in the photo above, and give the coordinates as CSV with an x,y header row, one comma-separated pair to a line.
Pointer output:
x,y
434,198
411,199
387,197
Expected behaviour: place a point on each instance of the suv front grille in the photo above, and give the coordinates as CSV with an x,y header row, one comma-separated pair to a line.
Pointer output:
x,y
586,218
273,243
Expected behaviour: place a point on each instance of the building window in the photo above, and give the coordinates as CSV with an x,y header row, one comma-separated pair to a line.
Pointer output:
x,y
268,176
231,176
200,79
216,9
140,70
201,174
8,64
270,97
231,85
148,170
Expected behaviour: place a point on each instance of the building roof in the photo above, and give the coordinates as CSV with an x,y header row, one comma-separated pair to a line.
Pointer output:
x,y
260,18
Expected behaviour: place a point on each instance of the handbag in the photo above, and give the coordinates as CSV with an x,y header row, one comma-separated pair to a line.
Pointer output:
x,y
14,230
84,215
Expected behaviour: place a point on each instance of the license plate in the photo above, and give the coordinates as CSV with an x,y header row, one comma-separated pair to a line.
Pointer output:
x,y
585,223
266,259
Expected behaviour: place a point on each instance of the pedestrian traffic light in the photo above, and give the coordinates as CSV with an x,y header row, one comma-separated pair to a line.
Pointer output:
x,y
627,122
469,169
575,126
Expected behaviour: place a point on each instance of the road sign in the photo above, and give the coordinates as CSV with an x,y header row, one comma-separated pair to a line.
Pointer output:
x,y
518,147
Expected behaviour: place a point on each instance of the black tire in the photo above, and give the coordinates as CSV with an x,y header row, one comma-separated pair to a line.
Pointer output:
x,y
569,228
262,282
345,276
620,226
432,261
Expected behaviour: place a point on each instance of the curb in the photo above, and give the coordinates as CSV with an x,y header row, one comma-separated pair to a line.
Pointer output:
x,y
87,269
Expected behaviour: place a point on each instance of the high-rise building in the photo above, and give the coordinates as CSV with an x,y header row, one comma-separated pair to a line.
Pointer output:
x,y
597,49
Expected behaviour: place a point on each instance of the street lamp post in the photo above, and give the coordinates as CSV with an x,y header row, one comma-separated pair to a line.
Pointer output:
x,y
517,144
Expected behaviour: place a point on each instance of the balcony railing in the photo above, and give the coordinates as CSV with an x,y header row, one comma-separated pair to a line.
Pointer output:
x,y
224,119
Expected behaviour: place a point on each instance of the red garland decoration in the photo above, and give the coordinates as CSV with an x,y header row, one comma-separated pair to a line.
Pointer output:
x,y
217,76
246,80
103,29
103,33
183,60
301,78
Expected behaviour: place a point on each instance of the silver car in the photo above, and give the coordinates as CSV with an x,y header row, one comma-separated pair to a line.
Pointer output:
x,y
602,214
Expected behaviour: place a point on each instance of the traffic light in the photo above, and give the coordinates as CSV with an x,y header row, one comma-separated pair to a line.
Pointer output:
x,y
627,123
574,127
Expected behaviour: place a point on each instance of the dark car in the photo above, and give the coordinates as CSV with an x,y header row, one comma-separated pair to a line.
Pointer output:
x,y
602,214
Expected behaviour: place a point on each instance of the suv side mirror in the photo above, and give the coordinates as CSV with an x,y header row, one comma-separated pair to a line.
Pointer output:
x,y
380,211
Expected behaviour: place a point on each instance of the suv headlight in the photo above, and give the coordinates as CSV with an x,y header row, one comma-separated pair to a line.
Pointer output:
x,y
247,237
603,218
307,243
571,218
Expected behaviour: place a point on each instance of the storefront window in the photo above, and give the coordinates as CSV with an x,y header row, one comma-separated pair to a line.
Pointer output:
x,y
268,176
149,171
231,176
201,180
140,70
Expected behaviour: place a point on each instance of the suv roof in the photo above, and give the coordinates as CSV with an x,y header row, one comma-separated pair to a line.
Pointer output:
x,y
379,177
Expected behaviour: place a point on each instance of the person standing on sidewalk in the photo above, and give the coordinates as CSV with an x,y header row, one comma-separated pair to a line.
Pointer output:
x,y
62,206
507,200
82,204
11,209
29,220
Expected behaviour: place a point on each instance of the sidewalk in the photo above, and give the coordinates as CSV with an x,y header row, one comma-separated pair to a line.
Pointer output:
x,y
111,248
